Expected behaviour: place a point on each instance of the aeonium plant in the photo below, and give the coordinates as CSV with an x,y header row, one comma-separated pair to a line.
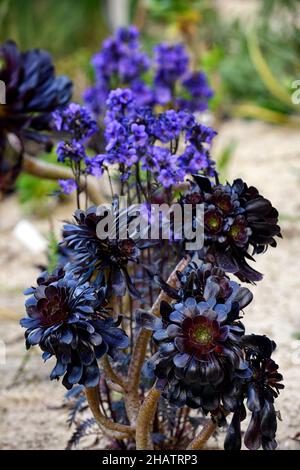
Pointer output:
x,y
32,93
151,330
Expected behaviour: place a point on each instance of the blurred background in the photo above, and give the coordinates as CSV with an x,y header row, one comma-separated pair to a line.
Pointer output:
x,y
250,50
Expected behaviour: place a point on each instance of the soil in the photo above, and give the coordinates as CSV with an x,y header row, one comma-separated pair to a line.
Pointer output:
x,y
31,416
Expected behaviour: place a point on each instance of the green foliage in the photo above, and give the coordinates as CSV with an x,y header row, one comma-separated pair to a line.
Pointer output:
x,y
224,159
61,27
162,8
257,66
33,192
296,335
52,252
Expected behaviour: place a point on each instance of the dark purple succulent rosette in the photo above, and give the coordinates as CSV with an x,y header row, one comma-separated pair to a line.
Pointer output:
x,y
67,320
32,93
202,280
199,339
46,278
236,218
260,391
104,262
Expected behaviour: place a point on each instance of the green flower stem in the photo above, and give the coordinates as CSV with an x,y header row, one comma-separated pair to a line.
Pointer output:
x,y
92,395
132,400
145,420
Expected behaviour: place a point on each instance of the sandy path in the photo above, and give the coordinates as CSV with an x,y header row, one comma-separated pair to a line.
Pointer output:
x,y
266,156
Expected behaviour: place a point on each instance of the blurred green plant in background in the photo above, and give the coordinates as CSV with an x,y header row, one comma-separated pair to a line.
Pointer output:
x,y
70,30
61,27
33,192
252,66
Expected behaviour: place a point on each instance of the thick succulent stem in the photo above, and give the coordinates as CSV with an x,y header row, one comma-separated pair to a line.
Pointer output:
x,y
92,395
111,374
145,419
201,439
132,400
49,171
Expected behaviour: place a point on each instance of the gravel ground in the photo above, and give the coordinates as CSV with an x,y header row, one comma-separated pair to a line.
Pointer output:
x,y
268,157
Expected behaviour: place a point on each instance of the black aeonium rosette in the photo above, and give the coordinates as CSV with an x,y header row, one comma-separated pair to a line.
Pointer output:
x,y
259,391
67,320
32,93
104,261
199,338
236,218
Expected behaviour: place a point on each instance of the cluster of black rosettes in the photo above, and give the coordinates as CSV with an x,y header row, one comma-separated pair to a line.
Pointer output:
x,y
68,320
104,261
199,337
32,93
236,218
205,361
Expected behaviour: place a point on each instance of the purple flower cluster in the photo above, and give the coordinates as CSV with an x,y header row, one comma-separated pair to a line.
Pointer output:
x,y
196,154
120,58
77,122
67,186
138,134
70,150
172,64
165,165
121,63
121,55
199,92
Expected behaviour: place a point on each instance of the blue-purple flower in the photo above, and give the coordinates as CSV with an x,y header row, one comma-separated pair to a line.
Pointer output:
x,y
199,91
76,121
122,63
137,134
94,165
70,151
120,60
171,64
67,186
